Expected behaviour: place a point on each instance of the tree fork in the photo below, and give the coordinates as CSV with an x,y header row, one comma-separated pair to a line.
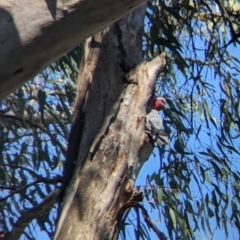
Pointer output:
x,y
114,87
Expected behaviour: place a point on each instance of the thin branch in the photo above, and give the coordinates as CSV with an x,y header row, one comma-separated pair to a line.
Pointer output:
x,y
138,223
32,213
23,168
147,219
42,180
36,125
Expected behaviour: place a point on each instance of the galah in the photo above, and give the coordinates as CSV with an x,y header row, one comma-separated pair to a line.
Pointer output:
x,y
154,122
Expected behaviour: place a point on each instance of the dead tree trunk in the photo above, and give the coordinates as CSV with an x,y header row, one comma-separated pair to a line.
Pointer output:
x,y
114,87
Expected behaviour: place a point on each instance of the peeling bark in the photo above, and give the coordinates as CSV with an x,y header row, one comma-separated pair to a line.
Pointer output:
x,y
33,34
108,139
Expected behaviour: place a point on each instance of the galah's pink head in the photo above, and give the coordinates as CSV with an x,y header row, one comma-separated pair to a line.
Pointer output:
x,y
157,103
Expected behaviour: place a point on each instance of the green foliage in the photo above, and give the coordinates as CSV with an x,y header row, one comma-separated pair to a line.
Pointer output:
x,y
197,191
34,132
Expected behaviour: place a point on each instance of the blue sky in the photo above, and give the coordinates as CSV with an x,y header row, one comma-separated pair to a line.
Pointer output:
x,y
152,165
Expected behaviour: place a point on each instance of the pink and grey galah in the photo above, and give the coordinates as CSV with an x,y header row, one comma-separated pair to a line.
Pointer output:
x,y
154,122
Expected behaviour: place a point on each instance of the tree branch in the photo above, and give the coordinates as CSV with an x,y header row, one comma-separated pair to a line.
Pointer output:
x,y
32,213
58,179
30,44
147,219
23,168
37,125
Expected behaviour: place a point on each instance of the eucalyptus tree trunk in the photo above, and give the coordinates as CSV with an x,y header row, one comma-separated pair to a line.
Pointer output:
x,y
33,34
108,140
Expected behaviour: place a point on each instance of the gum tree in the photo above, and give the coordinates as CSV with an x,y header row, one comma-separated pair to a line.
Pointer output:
x,y
196,188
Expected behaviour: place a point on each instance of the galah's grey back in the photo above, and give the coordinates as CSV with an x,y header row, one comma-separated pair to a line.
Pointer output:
x,y
153,128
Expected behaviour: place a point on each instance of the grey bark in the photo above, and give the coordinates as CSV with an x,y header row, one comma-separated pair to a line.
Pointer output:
x,y
108,132
33,34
